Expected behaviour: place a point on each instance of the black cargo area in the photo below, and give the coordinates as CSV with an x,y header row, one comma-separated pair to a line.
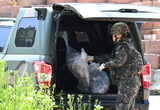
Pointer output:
x,y
93,36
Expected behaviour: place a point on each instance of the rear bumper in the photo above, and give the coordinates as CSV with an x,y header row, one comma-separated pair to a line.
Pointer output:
x,y
142,106
108,105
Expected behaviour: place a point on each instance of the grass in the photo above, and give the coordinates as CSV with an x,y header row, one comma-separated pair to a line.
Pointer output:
x,y
23,96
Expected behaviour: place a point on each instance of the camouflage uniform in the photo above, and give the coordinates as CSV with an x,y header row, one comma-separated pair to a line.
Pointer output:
x,y
125,67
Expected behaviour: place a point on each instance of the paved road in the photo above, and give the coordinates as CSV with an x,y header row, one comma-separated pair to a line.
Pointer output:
x,y
154,102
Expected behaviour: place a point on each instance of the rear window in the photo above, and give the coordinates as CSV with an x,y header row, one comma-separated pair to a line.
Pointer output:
x,y
26,32
81,36
78,39
4,32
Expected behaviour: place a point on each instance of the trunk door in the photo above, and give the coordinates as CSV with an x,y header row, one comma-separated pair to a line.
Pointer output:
x,y
112,12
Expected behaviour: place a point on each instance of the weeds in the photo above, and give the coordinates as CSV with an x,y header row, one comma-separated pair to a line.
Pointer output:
x,y
97,105
70,102
23,96
61,103
157,81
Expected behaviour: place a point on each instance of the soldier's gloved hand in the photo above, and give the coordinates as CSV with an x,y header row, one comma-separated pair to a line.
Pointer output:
x,y
89,58
101,67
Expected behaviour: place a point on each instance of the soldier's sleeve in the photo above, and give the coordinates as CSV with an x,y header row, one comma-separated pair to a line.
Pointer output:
x,y
102,58
119,59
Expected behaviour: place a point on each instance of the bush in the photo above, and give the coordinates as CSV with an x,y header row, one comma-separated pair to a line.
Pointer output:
x,y
23,96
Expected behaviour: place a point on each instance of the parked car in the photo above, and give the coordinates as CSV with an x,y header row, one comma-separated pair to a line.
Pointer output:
x,y
37,43
6,25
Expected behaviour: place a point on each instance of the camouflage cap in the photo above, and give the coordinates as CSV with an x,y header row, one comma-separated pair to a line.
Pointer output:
x,y
119,28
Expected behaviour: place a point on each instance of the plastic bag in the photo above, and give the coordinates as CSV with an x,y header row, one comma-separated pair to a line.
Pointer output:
x,y
99,80
90,79
77,65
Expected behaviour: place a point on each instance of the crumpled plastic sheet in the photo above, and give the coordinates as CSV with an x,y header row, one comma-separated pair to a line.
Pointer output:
x,y
90,79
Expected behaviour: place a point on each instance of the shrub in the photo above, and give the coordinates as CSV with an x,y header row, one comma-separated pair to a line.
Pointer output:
x,y
23,96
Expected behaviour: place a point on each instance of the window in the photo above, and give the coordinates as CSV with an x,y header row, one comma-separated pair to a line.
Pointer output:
x,y
26,32
3,36
77,39
81,36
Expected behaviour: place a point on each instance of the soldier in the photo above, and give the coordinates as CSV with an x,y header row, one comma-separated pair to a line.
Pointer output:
x,y
125,66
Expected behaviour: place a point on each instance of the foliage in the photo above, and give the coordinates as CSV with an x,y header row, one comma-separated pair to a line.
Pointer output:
x,y
23,96
82,105
158,81
70,102
61,103
97,105
14,2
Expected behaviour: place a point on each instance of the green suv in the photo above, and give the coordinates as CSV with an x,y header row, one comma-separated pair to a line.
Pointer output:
x,y
37,43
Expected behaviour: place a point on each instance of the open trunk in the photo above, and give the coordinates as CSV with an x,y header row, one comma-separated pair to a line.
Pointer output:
x,y
87,26
94,38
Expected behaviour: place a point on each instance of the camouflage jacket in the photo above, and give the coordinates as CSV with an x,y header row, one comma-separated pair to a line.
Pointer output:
x,y
125,63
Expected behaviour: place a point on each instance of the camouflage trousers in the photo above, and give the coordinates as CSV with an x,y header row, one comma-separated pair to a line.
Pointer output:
x,y
126,96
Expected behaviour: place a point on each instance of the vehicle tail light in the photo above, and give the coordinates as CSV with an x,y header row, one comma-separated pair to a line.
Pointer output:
x,y
137,109
43,73
146,76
